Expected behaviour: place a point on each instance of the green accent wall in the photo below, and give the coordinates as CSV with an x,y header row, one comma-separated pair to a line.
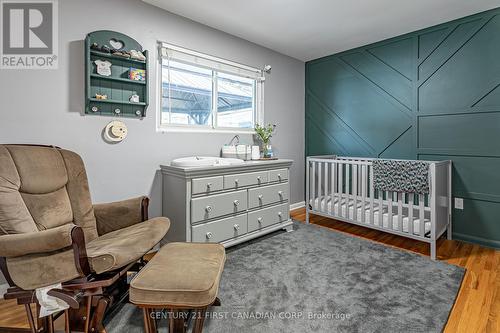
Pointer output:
x,y
433,94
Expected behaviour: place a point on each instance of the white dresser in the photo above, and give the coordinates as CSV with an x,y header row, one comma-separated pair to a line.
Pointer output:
x,y
227,204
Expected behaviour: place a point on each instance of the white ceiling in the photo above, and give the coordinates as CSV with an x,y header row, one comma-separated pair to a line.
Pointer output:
x,y
310,29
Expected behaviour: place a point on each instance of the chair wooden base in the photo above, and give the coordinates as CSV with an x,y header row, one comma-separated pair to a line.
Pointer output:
x,y
87,318
93,297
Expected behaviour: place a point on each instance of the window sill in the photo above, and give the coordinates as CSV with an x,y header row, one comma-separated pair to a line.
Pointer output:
x,y
175,129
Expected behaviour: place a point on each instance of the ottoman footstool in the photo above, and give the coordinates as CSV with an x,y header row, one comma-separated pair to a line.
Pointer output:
x,y
180,277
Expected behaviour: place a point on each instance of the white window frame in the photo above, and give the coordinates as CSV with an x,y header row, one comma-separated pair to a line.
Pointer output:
x,y
252,72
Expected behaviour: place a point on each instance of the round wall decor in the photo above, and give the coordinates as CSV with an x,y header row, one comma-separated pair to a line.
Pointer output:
x,y
115,131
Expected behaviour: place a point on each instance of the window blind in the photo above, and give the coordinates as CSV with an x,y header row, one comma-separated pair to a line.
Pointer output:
x,y
170,52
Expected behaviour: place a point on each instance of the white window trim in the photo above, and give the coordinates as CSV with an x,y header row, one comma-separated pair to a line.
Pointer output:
x,y
177,128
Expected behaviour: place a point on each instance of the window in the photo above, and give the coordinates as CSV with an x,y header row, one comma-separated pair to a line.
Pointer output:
x,y
201,92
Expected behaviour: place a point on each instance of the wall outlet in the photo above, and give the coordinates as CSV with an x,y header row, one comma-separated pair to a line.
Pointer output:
x,y
459,203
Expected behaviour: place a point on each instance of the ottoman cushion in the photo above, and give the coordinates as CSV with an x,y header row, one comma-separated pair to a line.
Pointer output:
x,y
181,275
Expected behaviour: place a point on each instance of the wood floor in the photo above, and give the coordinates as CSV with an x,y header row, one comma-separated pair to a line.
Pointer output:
x,y
477,308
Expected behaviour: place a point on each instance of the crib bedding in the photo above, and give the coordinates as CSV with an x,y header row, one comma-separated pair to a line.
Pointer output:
x,y
401,176
347,205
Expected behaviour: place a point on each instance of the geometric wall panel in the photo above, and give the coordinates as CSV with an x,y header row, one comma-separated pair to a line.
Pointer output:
x,y
393,83
362,106
447,45
490,98
468,75
397,55
331,128
400,147
477,223
432,94
475,133
321,143
429,40
476,177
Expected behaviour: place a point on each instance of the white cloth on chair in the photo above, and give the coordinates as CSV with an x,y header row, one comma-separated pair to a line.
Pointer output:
x,y
49,304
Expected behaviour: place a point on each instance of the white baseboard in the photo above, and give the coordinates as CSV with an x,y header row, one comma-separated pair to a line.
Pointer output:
x,y
3,289
298,205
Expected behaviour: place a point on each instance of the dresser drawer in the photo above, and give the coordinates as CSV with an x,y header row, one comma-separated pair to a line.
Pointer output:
x,y
207,185
266,195
267,216
217,205
278,175
245,179
220,230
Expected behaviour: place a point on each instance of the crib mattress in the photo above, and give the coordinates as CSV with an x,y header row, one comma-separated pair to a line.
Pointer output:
x,y
347,209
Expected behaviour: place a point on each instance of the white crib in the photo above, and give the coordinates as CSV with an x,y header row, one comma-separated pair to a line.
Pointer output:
x,y
342,188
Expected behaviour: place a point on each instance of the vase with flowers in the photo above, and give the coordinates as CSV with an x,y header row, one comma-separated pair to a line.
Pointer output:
x,y
265,133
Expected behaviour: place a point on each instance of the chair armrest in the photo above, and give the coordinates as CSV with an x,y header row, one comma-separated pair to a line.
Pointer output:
x,y
60,256
16,245
120,214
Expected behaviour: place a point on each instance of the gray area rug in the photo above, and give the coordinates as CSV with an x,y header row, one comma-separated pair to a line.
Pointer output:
x,y
317,280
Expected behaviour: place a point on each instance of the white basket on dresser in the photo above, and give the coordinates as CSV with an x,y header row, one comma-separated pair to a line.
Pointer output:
x,y
227,204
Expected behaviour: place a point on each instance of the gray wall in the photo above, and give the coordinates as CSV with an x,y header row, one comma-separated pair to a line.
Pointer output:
x,y
45,107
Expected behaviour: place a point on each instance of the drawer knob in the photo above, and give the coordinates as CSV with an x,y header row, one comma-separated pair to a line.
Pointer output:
x,y
258,179
209,185
261,197
236,227
260,219
280,214
279,176
280,193
236,202
208,209
209,235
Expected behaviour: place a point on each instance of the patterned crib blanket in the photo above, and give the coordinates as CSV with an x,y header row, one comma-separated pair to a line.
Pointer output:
x,y
401,176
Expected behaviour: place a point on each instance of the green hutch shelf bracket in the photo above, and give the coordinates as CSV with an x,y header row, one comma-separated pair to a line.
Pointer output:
x,y
117,87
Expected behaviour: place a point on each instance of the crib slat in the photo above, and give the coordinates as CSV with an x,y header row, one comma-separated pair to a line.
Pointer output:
x,y
411,197
355,192
332,186
381,208
360,177
320,199
400,211
340,187
313,185
347,189
344,187
372,196
325,189
421,214
308,188
363,192
389,210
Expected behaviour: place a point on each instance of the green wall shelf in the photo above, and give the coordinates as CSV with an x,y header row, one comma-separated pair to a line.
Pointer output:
x,y
115,101
118,79
110,56
118,87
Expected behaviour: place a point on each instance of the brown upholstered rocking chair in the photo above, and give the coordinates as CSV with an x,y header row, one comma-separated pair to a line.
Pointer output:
x,y
51,233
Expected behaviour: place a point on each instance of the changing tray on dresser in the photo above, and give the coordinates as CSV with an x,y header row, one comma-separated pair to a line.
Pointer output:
x,y
227,204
